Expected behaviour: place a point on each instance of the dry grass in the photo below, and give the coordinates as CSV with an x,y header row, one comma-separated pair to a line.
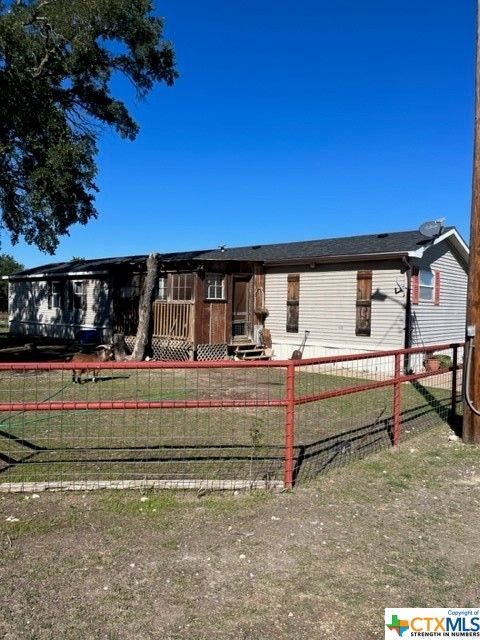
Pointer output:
x,y
244,443
394,529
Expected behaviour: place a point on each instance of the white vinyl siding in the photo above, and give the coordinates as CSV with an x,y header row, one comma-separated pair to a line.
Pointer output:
x,y
29,312
327,308
444,322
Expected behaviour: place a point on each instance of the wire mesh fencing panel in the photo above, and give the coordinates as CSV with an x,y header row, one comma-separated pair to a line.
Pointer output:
x,y
433,390
214,424
348,407
142,424
341,411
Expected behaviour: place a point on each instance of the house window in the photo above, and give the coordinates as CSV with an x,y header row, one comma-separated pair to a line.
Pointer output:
x,y
214,286
162,288
363,324
293,301
77,299
181,286
425,285
55,295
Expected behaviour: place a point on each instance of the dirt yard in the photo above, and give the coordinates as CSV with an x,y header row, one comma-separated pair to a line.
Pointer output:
x,y
394,529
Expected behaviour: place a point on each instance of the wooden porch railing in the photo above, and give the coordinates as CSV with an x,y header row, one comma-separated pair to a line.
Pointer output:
x,y
173,320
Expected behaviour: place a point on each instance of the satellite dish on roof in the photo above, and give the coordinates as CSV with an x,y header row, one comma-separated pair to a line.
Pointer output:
x,y
432,228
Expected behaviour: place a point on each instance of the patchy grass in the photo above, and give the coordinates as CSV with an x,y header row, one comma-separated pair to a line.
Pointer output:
x,y
244,443
395,529
149,504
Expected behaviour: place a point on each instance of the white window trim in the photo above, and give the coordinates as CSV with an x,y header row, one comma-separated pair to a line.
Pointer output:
x,y
82,294
426,286
215,286
162,290
52,294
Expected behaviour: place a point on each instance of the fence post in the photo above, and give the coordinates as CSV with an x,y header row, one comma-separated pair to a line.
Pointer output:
x,y
453,410
397,401
290,427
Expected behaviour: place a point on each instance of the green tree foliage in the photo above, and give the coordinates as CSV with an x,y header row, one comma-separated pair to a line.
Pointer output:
x,y
57,59
8,265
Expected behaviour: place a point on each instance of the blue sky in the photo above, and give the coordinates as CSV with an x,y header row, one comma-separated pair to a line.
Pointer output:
x,y
291,120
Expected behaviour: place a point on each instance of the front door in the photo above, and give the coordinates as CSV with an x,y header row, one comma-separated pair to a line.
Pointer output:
x,y
241,326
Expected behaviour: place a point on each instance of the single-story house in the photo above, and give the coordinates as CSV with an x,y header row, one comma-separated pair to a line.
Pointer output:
x,y
364,293
199,302
355,294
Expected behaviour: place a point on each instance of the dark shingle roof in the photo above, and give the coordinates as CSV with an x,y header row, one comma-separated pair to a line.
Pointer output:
x,y
382,243
83,266
400,242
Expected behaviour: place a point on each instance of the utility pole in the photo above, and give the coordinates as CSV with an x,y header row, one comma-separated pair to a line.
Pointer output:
x,y
471,421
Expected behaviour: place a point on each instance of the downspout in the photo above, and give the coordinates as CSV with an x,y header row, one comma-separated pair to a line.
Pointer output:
x,y
408,315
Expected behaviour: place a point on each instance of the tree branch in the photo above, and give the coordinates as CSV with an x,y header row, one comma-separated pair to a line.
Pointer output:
x,y
38,71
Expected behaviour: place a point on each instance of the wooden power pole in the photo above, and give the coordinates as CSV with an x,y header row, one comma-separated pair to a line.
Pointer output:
x,y
471,421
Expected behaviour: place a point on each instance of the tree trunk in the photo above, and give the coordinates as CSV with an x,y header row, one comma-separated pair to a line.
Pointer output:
x,y
145,308
119,347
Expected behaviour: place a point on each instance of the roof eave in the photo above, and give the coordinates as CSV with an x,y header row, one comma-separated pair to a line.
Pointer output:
x,y
61,274
453,237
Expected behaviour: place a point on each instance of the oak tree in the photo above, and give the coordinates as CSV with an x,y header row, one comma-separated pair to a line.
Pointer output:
x,y
8,265
57,60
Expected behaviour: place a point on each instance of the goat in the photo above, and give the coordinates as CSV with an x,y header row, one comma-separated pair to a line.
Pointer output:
x,y
104,353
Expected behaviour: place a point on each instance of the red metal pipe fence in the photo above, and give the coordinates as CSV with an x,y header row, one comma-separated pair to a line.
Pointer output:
x,y
190,418
290,426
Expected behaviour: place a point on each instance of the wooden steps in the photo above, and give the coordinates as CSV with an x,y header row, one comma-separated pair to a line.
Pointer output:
x,y
252,352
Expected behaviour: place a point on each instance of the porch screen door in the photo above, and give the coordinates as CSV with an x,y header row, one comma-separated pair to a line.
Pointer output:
x,y
240,308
